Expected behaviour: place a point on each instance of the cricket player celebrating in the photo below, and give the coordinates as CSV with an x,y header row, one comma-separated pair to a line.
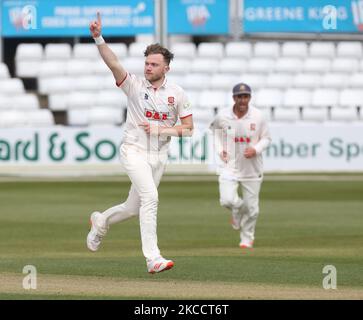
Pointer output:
x,y
154,106
241,134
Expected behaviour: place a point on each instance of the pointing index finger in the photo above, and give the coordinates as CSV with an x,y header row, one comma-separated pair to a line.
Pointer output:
x,y
98,17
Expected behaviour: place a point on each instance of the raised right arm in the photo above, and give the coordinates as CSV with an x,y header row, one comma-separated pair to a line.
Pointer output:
x,y
106,53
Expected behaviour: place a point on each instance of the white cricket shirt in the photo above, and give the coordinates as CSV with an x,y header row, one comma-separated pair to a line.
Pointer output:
x,y
162,107
233,135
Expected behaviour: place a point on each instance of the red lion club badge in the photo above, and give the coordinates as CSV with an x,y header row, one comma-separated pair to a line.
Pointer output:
x,y
171,100
253,126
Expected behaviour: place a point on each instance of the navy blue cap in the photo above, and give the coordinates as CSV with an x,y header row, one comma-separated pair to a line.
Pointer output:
x,y
241,88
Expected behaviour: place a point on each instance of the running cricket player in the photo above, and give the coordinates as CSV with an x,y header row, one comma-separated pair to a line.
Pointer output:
x,y
154,107
241,134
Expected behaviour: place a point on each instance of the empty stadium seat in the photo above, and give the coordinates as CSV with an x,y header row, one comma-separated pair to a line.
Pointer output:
x,y
223,81
322,49
267,49
212,99
85,51
105,116
77,100
315,114
27,101
266,98
57,51
184,50
232,65
180,66
294,49
114,98
11,86
286,115
325,98
50,85
346,114
279,80
27,69
351,49
317,65
119,49
52,68
204,65
99,67
214,50
306,80
12,118
255,81
334,80
344,65
203,118
134,65
288,64
4,71
239,50
29,51
86,83
5,101
78,117
58,101
76,67
295,98
193,96
196,81
40,118
260,65
355,80
351,98
137,49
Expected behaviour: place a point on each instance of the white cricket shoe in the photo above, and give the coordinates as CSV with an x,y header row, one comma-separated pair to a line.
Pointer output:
x,y
246,245
158,265
97,231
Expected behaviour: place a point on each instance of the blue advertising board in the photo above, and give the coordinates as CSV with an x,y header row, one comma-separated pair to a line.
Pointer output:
x,y
36,18
311,16
198,17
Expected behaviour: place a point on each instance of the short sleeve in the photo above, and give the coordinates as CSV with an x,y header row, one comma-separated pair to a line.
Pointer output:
x,y
184,106
127,84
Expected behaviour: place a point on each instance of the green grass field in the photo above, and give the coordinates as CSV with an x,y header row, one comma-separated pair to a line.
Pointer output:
x,y
303,226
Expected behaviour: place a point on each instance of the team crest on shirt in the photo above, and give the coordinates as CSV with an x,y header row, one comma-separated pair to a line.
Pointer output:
x,y
171,101
253,126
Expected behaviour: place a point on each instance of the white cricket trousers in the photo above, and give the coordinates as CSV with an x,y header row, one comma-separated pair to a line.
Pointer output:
x,y
145,170
248,207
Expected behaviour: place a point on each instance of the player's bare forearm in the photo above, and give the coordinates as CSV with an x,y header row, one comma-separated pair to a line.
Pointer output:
x,y
106,53
177,131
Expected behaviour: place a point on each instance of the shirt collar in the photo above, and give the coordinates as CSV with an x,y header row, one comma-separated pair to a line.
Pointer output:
x,y
247,115
150,86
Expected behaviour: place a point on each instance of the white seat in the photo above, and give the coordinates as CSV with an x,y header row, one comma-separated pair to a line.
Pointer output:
x,y
105,116
361,65
78,117
58,101
315,114
12,118
267,114
204,65
177,79
325,98
286,115
51,85
99,67
87,83
25,101
113,98
212,99
196,81
232,65
134,65
351,49
334,80
5,101
295,98
119,49
344,65
11,86
279,80
290,65
351,98
203,117
27,68
137,49
238,50
85,51
317,65
255,81
213,50
294,49
267,49
75,67
184,50
223,82
322,49
4,71
29,51
57,51
107,82
193,97
266,98
180,66
346,114
356,80
306,80
40,118
52,68
260,65
77,100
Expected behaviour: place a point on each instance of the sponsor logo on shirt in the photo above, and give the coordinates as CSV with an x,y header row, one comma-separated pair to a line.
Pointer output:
x,y
242,139
155,115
